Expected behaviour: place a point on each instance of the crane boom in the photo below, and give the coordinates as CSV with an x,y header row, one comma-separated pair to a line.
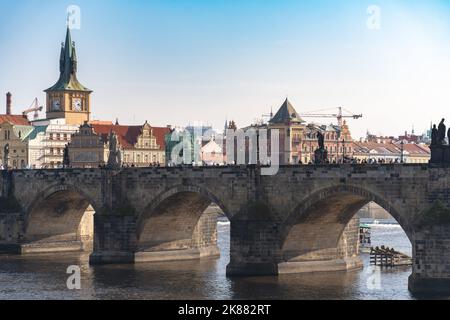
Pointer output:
x,y
339,116
33,108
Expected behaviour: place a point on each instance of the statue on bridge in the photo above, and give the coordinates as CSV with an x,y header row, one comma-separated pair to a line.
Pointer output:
x,y
321,154
434,135
440,149
6,156
114,159
66,158
441,133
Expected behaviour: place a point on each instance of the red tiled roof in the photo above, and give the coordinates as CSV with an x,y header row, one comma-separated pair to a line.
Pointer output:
x,y
128,135
14,119
391,147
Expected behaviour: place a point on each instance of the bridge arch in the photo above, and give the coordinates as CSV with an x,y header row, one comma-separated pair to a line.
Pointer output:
x,y
178,220
59,218
314,228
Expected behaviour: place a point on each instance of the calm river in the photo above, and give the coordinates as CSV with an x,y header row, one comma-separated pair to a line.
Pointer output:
x,y
44,277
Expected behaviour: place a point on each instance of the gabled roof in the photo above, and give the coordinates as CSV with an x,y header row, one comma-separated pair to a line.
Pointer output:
x,y
286,114
14,119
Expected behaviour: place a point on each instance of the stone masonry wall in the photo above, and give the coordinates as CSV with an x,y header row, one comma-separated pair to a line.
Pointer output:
x,y
205,233
348,246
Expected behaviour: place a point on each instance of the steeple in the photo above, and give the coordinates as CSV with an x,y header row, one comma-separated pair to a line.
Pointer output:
x,y
68,99
286,114
68,68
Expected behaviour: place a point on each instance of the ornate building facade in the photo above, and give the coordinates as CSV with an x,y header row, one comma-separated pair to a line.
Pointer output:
x,y
299,140
14,145
139,146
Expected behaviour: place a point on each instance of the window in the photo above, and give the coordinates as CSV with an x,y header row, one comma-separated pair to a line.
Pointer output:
x,y
58,136
51,136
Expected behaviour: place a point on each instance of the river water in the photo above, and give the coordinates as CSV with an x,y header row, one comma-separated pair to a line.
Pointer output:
x,y
44,277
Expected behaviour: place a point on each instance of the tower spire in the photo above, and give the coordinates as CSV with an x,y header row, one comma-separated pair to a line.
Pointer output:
x,y
74,59
68,50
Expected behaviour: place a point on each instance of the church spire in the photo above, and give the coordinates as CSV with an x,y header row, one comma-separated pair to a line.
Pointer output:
x,y
68,66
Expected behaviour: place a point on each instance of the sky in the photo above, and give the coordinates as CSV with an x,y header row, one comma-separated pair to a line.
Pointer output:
x,y
204,61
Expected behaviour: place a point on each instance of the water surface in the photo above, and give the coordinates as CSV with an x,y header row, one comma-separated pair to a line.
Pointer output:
x,y
44,277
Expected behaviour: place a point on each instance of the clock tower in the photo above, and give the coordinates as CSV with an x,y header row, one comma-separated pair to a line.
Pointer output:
x,y
68,98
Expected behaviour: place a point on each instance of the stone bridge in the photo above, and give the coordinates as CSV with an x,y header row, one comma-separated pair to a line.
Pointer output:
x,y
299,220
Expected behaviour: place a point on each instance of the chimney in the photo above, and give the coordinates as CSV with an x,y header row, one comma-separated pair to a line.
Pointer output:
x,y
8,103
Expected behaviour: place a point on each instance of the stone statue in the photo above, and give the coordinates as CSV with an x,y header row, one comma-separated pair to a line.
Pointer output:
x,y
434,135
448,136
441,133
440,149
114,159
321,154
66,158
321,140
112,141
6,156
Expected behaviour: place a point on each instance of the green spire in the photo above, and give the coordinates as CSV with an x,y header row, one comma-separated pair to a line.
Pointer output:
x,y
68,68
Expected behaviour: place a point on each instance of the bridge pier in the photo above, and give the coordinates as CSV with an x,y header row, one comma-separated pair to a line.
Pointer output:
x,y
114,239
11,232
254,248
431,262
116,242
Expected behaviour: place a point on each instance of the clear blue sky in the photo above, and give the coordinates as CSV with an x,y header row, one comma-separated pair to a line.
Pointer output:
x,y
179,62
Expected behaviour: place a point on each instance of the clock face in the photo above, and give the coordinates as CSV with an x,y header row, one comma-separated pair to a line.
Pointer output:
x,y
56,105
77,104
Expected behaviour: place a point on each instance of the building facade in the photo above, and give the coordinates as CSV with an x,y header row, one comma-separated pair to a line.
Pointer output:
x,y
14,138
391,152
139,146
298,140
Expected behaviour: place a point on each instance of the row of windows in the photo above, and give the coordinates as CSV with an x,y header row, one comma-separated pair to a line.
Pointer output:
x,y
14,151
56,151
141,158
58,136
